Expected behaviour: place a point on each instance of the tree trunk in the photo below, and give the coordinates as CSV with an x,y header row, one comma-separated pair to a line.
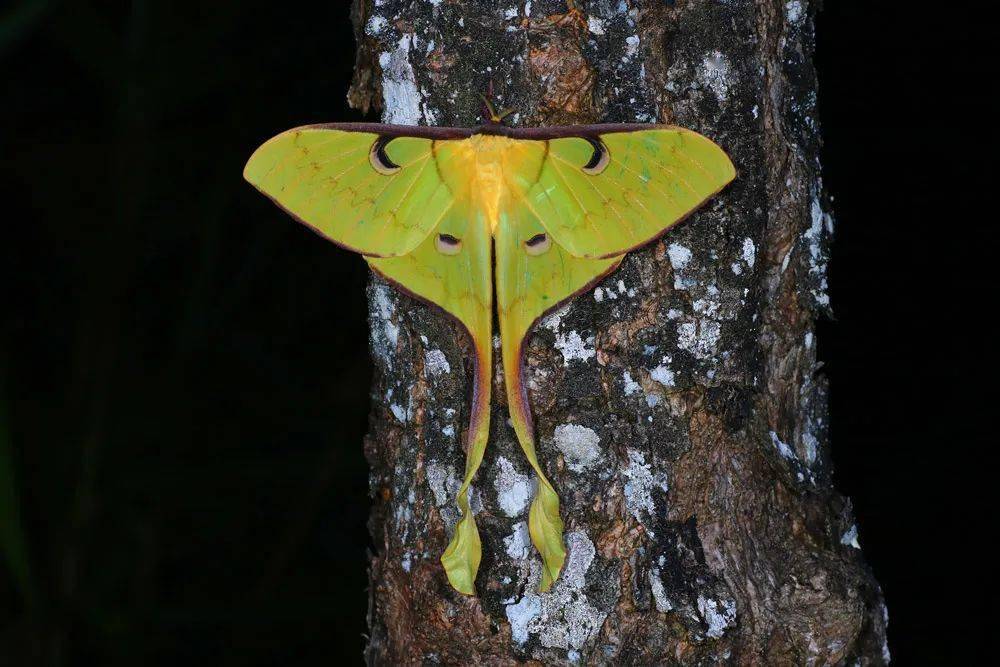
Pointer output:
x,y
679,409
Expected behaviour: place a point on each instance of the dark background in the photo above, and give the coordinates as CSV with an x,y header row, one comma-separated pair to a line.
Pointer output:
x,y
183,372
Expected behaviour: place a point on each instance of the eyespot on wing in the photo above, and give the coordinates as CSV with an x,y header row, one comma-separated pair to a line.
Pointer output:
x,y
538,244
599,160
447,244
378,158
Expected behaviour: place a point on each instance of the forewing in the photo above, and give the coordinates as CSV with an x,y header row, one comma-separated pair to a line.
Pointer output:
x,y
326,178
651,180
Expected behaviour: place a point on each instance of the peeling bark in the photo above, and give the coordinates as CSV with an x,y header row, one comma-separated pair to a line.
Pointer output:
x,y
680,412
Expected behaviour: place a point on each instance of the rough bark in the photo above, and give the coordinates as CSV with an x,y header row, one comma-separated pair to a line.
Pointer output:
x,y
679,406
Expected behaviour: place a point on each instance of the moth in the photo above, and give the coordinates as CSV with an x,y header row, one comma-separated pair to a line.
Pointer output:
x,y
458,216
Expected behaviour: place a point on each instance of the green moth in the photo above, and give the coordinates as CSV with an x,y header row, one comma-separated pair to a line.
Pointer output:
x,y
541,214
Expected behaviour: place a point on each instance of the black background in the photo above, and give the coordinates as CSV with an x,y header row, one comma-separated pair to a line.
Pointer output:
x,y
184,372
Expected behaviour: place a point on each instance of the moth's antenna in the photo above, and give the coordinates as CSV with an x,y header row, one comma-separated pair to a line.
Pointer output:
x,y
494,118
491,115
506,112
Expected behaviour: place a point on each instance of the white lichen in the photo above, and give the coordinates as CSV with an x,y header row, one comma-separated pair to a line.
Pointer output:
x,y
700,338
886,656
385,334
820,222
428,112
403,515
630,386
443,482
793,11
749,252
714,74
811,446
850,538
375,25
663,374
521,614
782,447
660,599
399,85
564,617
400,412
570,344
475,500
640,482
568,619
706,307
631,46
573,346
718,615
514,490
435,363
518,543
679,256
580,446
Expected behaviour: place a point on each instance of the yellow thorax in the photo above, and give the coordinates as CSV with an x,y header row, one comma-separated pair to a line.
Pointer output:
x,y
492,166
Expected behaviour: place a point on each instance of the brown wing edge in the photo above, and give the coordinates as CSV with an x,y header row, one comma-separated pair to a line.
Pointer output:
x,y
529,133
385,130
563,131
666,229
316,231
476,392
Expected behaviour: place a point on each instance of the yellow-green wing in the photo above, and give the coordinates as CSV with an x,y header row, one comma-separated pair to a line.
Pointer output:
x,y
383,196
329,179
604,195
534,275
452,268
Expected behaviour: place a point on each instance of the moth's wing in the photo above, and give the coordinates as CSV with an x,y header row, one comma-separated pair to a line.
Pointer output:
x,y
652,179
327,178
529,284
460,281
400,196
